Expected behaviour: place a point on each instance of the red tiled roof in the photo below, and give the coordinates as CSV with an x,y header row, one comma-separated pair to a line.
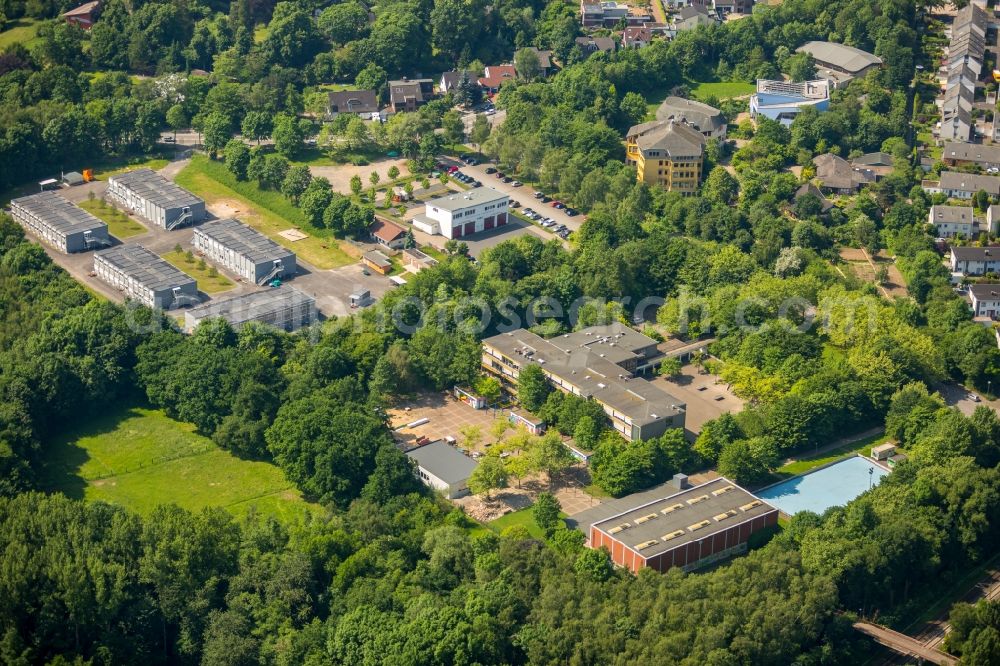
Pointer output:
x,y
497,74
385,230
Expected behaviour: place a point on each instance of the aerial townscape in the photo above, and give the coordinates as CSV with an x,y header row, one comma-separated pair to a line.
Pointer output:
x,y
473,332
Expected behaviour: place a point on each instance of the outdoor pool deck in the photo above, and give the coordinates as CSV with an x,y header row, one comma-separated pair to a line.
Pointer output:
x,y
833,485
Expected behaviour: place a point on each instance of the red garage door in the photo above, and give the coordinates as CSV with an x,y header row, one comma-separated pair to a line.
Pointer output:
x,y
501,219
456,232
470,228
488,223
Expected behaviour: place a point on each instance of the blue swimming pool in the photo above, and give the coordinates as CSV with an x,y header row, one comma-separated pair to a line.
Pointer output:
x,y
817,491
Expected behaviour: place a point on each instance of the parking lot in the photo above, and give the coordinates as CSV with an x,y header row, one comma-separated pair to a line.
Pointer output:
x,y
447,416
705,395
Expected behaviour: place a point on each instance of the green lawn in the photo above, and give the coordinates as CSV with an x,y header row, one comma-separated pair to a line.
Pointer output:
x,y
120,225
206,282
721,89
523,518
22,31
807,463
267,211
139,458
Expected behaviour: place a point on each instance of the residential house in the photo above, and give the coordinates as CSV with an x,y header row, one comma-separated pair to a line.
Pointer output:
x,y
706,119
693,16
963,65
949,221
608,14
985,156
358,102
85,15
836,175
782,100
810,188
666,153
496,75
985,300
409,94
636,37
993,220
387,233
879,163
959,185
726,7
450,80
544,60
839,63
591,45
441,466
975,260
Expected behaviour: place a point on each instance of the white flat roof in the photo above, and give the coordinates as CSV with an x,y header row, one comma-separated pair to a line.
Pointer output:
x,y
473,197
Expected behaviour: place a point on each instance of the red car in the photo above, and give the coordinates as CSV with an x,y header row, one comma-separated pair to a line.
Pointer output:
x,y
452,169
555,203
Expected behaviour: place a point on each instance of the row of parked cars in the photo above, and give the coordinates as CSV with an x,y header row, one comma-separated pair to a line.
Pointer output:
x,y
559,229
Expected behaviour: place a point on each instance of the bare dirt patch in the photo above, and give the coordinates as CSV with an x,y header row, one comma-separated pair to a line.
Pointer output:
x,y
340,176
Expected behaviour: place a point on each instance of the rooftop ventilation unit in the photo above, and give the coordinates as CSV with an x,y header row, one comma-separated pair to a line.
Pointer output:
x,y
670,509
722,516
645,519
751,505
646,544
698,526
672,535
723,491
618,528
695,500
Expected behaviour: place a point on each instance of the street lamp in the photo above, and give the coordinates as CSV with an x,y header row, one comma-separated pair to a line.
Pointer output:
x,y
871,476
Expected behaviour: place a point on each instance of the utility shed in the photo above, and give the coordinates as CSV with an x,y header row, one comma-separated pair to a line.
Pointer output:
x,y
443,467
156,199
59,223
244,251
144,277
286,308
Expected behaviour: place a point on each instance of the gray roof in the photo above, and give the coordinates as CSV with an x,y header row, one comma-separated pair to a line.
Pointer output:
x,y
253,306
466,199
705,118
837,173
971,152
952,214
378,258
840,56
597,43
151,186
665,523
353,101
966,253
592,365
58,213
145,267
677,139
873,159
985,292
443,461
243,240
544,57
969,182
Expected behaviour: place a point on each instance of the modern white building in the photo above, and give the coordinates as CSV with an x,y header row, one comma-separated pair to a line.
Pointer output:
x,y
244,251
144,277
156,199
443,467
782,100
462,214
286,308
59,223
950,221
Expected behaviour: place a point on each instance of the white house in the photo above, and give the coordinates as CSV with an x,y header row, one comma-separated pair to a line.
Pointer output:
x,y
949,221
985,300
975,260
462,214
443,467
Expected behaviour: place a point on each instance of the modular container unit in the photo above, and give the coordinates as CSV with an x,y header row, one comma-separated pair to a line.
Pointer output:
x,y
286,308
244,251
144,277
59,223
156,199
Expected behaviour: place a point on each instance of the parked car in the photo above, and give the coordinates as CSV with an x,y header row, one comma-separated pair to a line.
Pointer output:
x,y
515,204
538,195
506,179
472,161
973,397
476,183
570,212
545,199
558,205
491,170
490,112
500,174
452,169
529,211
564,234
517,183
